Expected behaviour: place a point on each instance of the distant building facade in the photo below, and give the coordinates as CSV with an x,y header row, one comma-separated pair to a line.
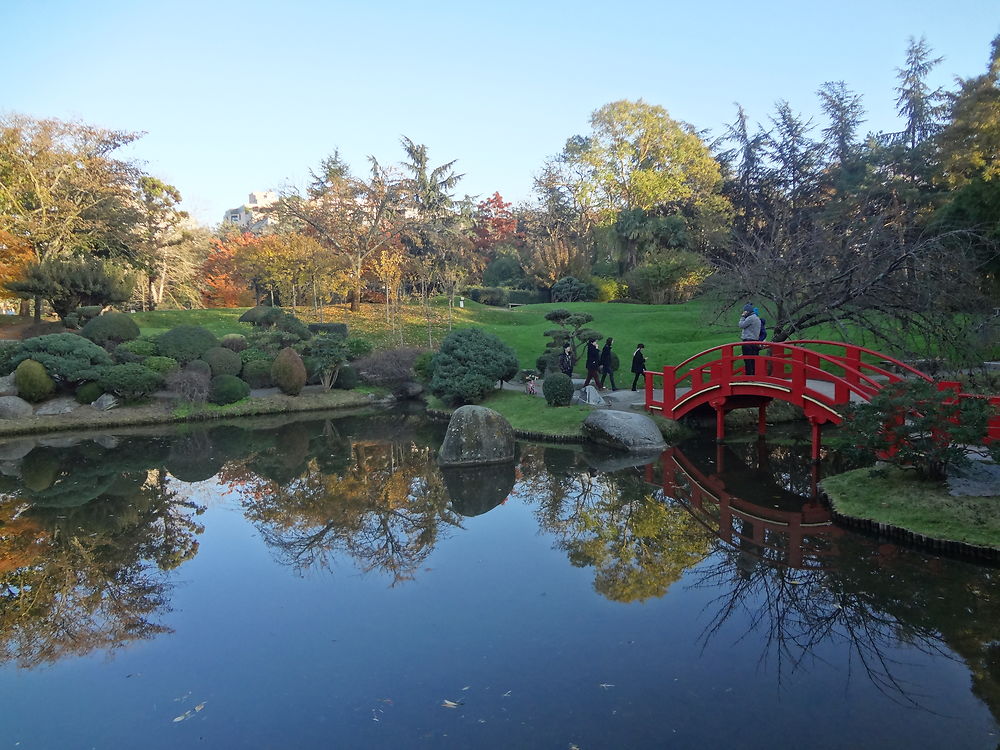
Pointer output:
x,y
249,216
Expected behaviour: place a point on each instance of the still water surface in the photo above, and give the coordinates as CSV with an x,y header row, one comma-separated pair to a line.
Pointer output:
x,y
322,583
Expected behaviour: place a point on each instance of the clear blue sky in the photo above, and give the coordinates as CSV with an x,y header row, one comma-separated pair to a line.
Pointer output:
x,y
241,96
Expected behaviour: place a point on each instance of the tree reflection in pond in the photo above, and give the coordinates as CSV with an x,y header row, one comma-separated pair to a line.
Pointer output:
x,y
85,546
384,504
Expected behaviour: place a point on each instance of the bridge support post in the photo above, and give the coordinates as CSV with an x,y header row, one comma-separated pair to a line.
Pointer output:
x,y
762,419
720,423
816,438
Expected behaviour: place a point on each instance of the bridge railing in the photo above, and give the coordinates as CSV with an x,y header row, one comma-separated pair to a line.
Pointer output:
x,y
789,365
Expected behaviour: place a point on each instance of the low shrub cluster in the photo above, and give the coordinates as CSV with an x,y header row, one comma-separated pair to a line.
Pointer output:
x,y
332,329
130,382
162,365
66,357
190,385
234,341
257,373
88,393
388,367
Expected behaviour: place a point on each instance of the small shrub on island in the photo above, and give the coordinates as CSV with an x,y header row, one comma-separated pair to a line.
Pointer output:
x,y
289,372
223,361
227,389
121,355
88,393
32,382
130,382
557,389
423,367
257,373
162,365
254,315
325,356
389,367
110,328
469,365
186,343
253,354
332,329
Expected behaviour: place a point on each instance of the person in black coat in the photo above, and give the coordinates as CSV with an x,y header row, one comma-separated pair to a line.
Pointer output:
x,y
593,363
606,371
638,364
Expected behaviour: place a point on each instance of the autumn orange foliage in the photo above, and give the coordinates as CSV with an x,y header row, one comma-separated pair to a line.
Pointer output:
x,y
15,254
225,286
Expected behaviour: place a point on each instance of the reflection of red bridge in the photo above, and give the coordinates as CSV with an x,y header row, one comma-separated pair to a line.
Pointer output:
x,y
798,538
818,376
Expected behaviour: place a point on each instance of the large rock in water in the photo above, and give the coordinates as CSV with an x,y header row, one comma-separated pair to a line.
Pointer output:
x,y
623,430
14,407
477,435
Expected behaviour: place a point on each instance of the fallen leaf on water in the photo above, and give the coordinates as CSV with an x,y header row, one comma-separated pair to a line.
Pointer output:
x,y
200,706
450,704
606,685
507,694
466,687
182,717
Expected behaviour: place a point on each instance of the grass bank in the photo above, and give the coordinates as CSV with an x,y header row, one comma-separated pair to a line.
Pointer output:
x,y
530,416
897,498
89,418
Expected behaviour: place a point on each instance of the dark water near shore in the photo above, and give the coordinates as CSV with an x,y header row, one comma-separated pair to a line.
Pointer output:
x,y
322,583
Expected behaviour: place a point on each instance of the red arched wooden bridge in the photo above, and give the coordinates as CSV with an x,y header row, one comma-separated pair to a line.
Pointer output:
x,y
818,376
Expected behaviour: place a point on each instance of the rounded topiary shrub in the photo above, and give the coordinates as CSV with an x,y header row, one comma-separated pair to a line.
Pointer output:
x,y
289,371
186,343
110,328
558,389
32,382
257,373
227,389
347,379
162,365
469,365
88,393
131,382
235,341
223,361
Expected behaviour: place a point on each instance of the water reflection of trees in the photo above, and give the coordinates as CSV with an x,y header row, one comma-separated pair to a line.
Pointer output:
x,y
376,495
871,599
87,535
637,543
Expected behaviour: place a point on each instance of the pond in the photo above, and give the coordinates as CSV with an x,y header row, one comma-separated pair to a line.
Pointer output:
x,y
320,582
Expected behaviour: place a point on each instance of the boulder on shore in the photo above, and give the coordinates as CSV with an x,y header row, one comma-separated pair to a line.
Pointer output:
x,y
54,406
477,435
623,430
7,387
588,395
14,407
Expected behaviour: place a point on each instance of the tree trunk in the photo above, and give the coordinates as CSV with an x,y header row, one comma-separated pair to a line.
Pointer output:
x,y
24,309
38,309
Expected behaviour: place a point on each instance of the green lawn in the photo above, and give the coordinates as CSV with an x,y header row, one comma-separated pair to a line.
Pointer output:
x,y
671,333
532,414
899,498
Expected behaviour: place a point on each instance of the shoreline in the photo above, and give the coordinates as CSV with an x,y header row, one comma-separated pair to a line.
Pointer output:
x,y
86,418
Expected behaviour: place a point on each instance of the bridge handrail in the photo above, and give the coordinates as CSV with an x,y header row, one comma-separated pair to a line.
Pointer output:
x,y
872,385
795,345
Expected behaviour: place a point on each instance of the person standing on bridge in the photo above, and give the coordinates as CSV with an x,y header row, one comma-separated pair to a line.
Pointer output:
x,y
750,333
593,363
638,364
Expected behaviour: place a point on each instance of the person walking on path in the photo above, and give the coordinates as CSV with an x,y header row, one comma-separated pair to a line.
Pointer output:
x,y
593,363
566,361
638,364
750,332
606,369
